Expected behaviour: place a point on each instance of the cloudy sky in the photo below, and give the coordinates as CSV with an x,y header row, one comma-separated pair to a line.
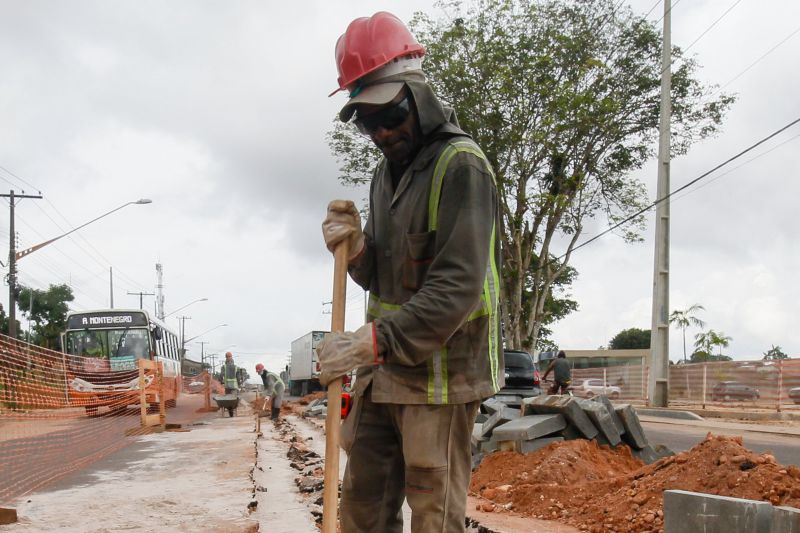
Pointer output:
x,y
217,111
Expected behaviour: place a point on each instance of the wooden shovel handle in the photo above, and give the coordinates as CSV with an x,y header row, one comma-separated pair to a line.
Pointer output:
x,y
333,419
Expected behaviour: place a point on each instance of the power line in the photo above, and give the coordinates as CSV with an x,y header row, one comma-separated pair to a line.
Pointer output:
x,y
715,178
736,3
119,272
765,54
687,185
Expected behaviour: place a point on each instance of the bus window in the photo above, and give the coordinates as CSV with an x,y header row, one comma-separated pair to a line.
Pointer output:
x,y
127,346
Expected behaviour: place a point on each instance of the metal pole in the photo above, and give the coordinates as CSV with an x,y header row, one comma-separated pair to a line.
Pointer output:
x,y
111,286
658,380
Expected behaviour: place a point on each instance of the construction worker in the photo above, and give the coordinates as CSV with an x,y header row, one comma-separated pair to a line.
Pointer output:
x,y
229,379
429,256
562,374
273,387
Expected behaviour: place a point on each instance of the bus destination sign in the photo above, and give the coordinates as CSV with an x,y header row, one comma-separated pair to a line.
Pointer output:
x,y
106,319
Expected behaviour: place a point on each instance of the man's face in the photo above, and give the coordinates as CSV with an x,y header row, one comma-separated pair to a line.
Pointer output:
x,y
392,127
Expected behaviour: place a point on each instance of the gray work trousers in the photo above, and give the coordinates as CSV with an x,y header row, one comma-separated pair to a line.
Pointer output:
x,y
417,452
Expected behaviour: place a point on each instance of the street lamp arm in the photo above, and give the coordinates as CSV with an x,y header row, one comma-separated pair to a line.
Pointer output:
x,y
200,335
19,255
185,306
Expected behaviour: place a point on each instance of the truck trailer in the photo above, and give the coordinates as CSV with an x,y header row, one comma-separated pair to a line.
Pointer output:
x,y
304,370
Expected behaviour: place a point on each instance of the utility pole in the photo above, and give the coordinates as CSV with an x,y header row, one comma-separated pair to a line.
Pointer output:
x,y
183,320
111,287
658,379
141,296
213,363
202,350
12,262
160,291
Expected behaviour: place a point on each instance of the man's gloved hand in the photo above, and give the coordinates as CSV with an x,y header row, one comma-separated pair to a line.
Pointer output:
x,y
343,222
340,353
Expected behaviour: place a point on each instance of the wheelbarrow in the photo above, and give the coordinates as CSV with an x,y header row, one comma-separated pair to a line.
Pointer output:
x,y
227,401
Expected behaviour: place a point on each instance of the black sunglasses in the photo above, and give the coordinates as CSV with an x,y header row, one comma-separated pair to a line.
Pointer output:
x,y
388,118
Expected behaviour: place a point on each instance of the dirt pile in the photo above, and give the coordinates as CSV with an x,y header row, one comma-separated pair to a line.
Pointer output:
x,y
602,489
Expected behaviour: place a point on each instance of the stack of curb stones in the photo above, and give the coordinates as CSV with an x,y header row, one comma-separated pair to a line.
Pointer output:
x,y
317,408
543,420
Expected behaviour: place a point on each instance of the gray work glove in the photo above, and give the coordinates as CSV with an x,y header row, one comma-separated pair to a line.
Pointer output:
x,y
343,222
339,353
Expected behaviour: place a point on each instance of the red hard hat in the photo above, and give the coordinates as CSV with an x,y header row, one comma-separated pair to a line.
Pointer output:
x,y
370,43
259,367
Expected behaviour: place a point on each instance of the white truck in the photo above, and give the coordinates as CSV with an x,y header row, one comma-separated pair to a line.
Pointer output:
x,y
304,370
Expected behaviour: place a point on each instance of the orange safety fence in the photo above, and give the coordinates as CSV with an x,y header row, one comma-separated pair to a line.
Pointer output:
x,y
624,382
60,412
760,384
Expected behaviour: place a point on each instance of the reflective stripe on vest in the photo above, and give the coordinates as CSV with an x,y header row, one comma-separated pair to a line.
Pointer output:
x,y
489,300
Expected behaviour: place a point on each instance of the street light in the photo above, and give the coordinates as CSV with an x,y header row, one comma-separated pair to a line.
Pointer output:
x,y
184,307
19,255
12,267
183,343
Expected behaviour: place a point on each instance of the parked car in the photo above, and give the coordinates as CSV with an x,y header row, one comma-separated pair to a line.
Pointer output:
x,y
794,394
522,377
588,388
733,390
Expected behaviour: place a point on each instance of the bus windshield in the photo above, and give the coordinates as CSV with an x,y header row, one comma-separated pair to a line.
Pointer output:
x,y
120,347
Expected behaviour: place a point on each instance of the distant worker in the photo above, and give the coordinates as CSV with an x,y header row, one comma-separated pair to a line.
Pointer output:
x,y
273,387
562,374
229,378
429,256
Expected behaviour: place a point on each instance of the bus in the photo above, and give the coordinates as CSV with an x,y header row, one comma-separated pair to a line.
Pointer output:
x,y
103,346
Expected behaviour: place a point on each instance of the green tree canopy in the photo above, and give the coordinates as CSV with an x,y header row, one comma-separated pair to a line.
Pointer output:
x,y
4,322
563,97
705,342
48,314
774,353
701,356
630,339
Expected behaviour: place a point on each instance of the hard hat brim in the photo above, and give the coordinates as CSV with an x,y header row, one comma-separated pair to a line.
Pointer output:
x,y
375,94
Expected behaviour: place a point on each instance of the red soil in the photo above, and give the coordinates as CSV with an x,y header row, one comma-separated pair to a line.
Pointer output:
x,y
597,488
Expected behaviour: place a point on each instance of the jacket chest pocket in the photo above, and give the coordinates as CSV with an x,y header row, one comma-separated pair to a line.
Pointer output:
x,y
418,257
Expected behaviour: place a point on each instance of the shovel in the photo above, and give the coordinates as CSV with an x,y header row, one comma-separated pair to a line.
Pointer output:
x,y
333,419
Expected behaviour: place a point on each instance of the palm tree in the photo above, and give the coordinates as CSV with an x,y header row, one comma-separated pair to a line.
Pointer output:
x,y
684,319
720,340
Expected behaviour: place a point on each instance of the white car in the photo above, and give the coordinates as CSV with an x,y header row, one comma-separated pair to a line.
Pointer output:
x,y
593,387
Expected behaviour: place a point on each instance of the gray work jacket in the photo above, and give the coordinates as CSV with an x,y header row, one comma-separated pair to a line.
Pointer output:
x,y
431,266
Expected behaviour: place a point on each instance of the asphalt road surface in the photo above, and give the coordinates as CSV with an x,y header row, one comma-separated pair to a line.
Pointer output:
x,y
786,449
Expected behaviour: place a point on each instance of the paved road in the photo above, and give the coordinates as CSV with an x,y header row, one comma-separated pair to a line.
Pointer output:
x,y
679,438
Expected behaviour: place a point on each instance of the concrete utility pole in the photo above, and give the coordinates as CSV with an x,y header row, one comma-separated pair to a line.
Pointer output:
x,y
12,262
183,320
658,382
141,296
160,291
202,350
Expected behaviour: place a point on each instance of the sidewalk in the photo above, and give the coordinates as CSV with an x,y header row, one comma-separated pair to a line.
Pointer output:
x,y
711,424
197,480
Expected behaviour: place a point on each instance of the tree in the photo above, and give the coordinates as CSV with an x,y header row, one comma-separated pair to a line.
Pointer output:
x,y
48,314
563,97
701,356
774,353
4,322
630,339
705,341
684,319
